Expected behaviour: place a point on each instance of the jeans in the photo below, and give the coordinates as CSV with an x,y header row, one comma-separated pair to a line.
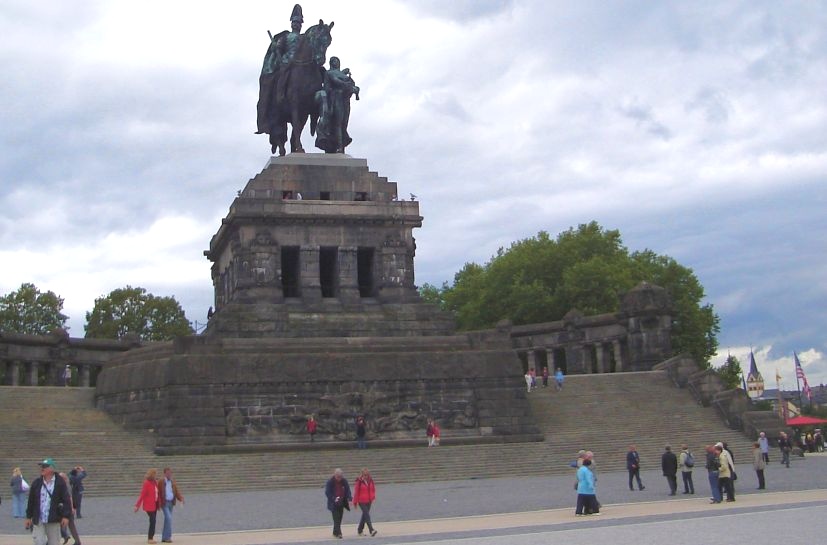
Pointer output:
x,y
761,483
785,457
166,533
766,456
635,473
151,532
338,513
714,486
18,504
688,485
365,507
361,442
77,499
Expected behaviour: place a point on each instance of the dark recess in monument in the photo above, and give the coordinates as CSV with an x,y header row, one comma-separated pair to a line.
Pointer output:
x,y
560,360
290,271
324,196
329,271
360,196
364,268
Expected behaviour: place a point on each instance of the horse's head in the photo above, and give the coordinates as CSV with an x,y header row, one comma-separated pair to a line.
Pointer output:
x,y
319,39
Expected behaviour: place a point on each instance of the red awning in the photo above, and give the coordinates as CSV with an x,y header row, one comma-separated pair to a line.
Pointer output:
x,y
805,421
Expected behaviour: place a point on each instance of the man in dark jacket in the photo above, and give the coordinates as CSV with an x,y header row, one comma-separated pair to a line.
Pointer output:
x,y
633,465
76,477
669,464
49,507
339,497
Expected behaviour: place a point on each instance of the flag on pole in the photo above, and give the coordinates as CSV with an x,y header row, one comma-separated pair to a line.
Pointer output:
x,y
799,373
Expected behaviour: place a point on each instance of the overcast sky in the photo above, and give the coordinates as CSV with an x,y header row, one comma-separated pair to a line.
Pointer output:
x,y
698,129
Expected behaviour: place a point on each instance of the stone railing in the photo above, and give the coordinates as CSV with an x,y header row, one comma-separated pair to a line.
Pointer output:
x,y
41,360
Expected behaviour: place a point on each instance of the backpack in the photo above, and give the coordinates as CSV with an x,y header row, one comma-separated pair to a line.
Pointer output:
x,y
690,460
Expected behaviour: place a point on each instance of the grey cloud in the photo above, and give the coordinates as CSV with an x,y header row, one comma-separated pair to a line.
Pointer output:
x,y
645,119
462,10
713,103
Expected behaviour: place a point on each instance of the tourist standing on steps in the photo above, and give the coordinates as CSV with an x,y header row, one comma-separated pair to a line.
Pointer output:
x,y
361,432
311,427
67,376
71,528
429,432
713,464
633,467
687,462
148,501
586,493
437,434
19,494
533,374
726,472
545,377
669,465
339,497
764,444
558,379
76,477
785,446
527,381
49,505
168,496
758,464
364,494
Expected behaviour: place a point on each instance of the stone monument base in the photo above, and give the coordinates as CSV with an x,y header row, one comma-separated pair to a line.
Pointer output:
x,y
207,395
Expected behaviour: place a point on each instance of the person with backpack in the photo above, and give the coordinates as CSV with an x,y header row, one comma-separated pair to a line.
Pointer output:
x,y
687,462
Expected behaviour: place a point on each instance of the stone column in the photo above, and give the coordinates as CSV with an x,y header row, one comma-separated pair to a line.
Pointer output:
x,y
84,375
14,369
310,283
348,274
586,358
531,358
618,352
34,368
599,357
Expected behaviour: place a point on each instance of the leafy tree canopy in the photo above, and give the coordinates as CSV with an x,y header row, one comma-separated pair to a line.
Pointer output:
x,y
134,311
28,310
540,279
730,372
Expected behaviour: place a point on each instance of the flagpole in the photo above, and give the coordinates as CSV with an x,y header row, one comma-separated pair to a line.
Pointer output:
x,y
798,384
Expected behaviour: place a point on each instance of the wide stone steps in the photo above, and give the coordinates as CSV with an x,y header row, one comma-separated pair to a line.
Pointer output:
x,y
602,413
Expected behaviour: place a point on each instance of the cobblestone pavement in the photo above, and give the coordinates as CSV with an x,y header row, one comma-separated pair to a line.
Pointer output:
x,y
303,508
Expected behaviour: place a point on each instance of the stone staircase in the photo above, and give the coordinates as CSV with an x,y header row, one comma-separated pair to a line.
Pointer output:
x,y
603,413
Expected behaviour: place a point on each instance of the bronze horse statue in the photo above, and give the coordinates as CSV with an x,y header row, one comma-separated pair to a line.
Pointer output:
x,y
295,92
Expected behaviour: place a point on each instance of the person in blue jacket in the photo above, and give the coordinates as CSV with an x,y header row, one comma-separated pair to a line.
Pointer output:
x,y
586,494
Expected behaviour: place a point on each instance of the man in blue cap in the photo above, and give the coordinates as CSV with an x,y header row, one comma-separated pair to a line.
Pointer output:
x,y
49,507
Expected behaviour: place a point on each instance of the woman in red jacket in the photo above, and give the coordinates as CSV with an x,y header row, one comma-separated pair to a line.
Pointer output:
x,y
364,494
148,500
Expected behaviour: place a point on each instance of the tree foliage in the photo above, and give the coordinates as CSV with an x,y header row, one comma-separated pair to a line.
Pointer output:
x,y
540,279
730,372
134,311
28,310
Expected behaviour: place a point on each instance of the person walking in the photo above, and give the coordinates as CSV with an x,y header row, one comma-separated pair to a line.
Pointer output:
x,y
586,492
633,467
545,377
726,472
148,501
713,465
311,427
764,444
687,462
49,505
669,465
759,464
337,491
437,434
71,528
785,445
361,432
19,494
76,477
168,496
527,381
364,494
558,379
429,432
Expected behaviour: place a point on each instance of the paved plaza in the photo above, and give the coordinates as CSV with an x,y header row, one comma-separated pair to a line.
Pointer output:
x,y
496,510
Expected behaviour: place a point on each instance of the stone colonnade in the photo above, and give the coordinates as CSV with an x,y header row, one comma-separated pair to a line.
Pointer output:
x,y
604,356
46,373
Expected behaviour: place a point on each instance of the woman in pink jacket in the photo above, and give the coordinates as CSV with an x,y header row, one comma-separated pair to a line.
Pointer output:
x,y
148,501
364,494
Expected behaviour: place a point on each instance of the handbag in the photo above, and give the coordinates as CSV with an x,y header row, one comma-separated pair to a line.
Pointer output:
x,y
24,486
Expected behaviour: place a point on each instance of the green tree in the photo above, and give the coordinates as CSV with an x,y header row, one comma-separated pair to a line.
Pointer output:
x,y
730,372
134,311
540,279
28,310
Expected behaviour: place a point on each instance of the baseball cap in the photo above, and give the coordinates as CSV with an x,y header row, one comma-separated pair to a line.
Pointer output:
x,y
48,462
